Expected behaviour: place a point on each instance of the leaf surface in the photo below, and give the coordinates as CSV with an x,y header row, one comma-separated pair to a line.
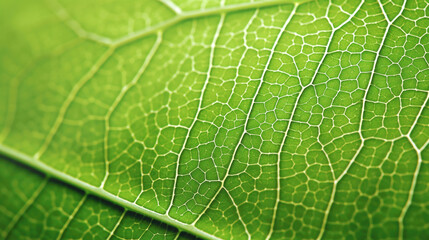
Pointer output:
x,y
214,119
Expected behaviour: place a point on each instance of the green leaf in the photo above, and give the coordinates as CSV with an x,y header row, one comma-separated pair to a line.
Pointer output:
x,y
214,119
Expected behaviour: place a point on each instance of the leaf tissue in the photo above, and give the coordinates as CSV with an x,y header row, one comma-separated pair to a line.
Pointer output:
x,y
229,119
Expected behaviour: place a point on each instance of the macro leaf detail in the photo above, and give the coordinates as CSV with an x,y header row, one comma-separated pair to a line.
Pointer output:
x,y
233,119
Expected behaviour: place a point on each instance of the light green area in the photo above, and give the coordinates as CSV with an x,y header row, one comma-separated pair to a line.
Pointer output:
x,y
228,119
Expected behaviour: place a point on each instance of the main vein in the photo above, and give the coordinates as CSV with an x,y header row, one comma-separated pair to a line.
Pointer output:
x,y
99,192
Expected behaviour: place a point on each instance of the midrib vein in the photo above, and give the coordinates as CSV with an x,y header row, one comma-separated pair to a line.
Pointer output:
x,y
99,192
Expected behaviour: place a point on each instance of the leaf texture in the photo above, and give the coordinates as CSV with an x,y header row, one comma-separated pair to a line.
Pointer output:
x,y
227,119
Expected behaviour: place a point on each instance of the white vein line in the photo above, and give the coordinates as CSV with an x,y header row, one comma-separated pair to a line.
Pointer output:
x,y
24,209
75,26
16,81
360,122
282,30
331,198
212,51
413,187
71,217
117,225
141,162
99,192
11,106
243,55
418,115
389,24
120,96
73,93
288,128
171,5
196,14
415,175
255,14
276,204
334,29
147,229
238,214
177,235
